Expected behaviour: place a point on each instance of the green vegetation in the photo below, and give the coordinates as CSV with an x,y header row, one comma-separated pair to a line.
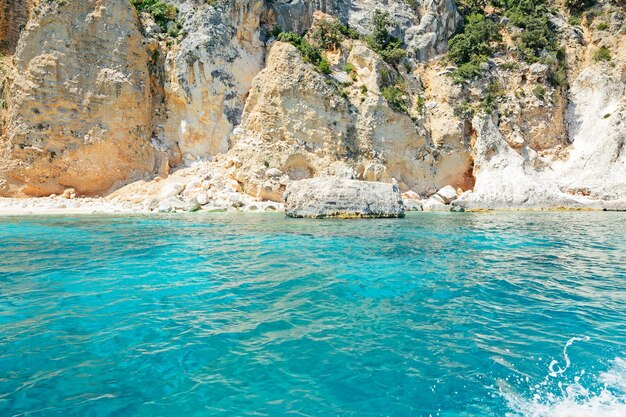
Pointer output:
x,y
162,13
310,53
468,50
602,26
578,5
536,39
325,36
510,66
276,30
558,77
602,54
574,20
475,43
489,102
540,92
469,7
328,34
394,97
530,29
324,66
420,104
465,110
381,41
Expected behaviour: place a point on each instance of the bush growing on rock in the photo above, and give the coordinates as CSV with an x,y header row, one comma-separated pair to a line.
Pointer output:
x,y
471,48
162,13
475,41
536,37
381,41
529,26
540,92
328,34
394,97
602,54
578,5
310,53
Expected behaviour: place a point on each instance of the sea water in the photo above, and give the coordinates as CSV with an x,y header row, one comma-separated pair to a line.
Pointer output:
x,y
455,315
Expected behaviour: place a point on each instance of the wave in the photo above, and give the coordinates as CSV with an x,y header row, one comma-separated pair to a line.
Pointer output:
x,y
600,395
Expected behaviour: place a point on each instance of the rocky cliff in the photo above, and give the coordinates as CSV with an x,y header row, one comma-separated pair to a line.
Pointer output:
x,y
511,108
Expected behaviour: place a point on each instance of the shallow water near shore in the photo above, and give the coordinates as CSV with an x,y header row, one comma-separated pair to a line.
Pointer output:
x,y
437,314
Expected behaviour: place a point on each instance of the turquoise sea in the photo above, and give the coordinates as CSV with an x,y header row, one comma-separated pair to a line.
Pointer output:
x,y
451,314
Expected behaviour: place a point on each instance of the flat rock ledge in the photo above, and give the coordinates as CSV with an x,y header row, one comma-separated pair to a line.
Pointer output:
x,y
331,197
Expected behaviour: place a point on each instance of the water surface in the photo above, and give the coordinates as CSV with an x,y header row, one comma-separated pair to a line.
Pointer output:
x,y
455,315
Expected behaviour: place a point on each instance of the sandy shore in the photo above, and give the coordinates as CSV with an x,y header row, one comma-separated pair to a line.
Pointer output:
x,y
47,205
62,206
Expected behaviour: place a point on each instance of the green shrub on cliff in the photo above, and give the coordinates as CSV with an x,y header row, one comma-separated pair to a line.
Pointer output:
x,y
475,41
537,38
328,34
310,53
162,13
602,54
471,48
381,41
395,98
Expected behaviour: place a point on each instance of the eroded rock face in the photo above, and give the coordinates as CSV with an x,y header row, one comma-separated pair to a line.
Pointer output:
x,y
597,125
293,121
424,25
508,179
592,174
89,91
209,74
300,122
291,102
14,15
335,197
79,102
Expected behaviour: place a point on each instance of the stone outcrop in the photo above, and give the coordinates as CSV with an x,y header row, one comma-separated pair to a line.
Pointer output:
x,y
423,25
324,197
298,121
596,166
14,15
209,73
79,102
591,175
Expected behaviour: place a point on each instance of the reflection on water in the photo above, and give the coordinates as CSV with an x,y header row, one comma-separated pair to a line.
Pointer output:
x,y
240,315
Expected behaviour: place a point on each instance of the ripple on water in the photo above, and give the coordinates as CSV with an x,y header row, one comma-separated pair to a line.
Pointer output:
x,y
437,314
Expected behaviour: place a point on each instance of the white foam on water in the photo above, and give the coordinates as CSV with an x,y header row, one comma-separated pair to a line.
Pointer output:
x,y
560,397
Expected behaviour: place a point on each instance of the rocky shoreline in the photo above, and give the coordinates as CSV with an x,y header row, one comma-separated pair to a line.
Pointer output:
x,y
202,187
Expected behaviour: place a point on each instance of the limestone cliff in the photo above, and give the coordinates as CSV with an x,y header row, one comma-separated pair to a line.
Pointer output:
x,y
14,14
99,93
78,101
209,73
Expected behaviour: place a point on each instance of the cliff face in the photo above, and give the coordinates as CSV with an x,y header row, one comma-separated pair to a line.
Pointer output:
x,y
14,15
209,73
79,105
98,94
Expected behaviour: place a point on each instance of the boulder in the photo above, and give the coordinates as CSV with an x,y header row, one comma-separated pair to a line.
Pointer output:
x,y
342,198
435,203
412,201
448,194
